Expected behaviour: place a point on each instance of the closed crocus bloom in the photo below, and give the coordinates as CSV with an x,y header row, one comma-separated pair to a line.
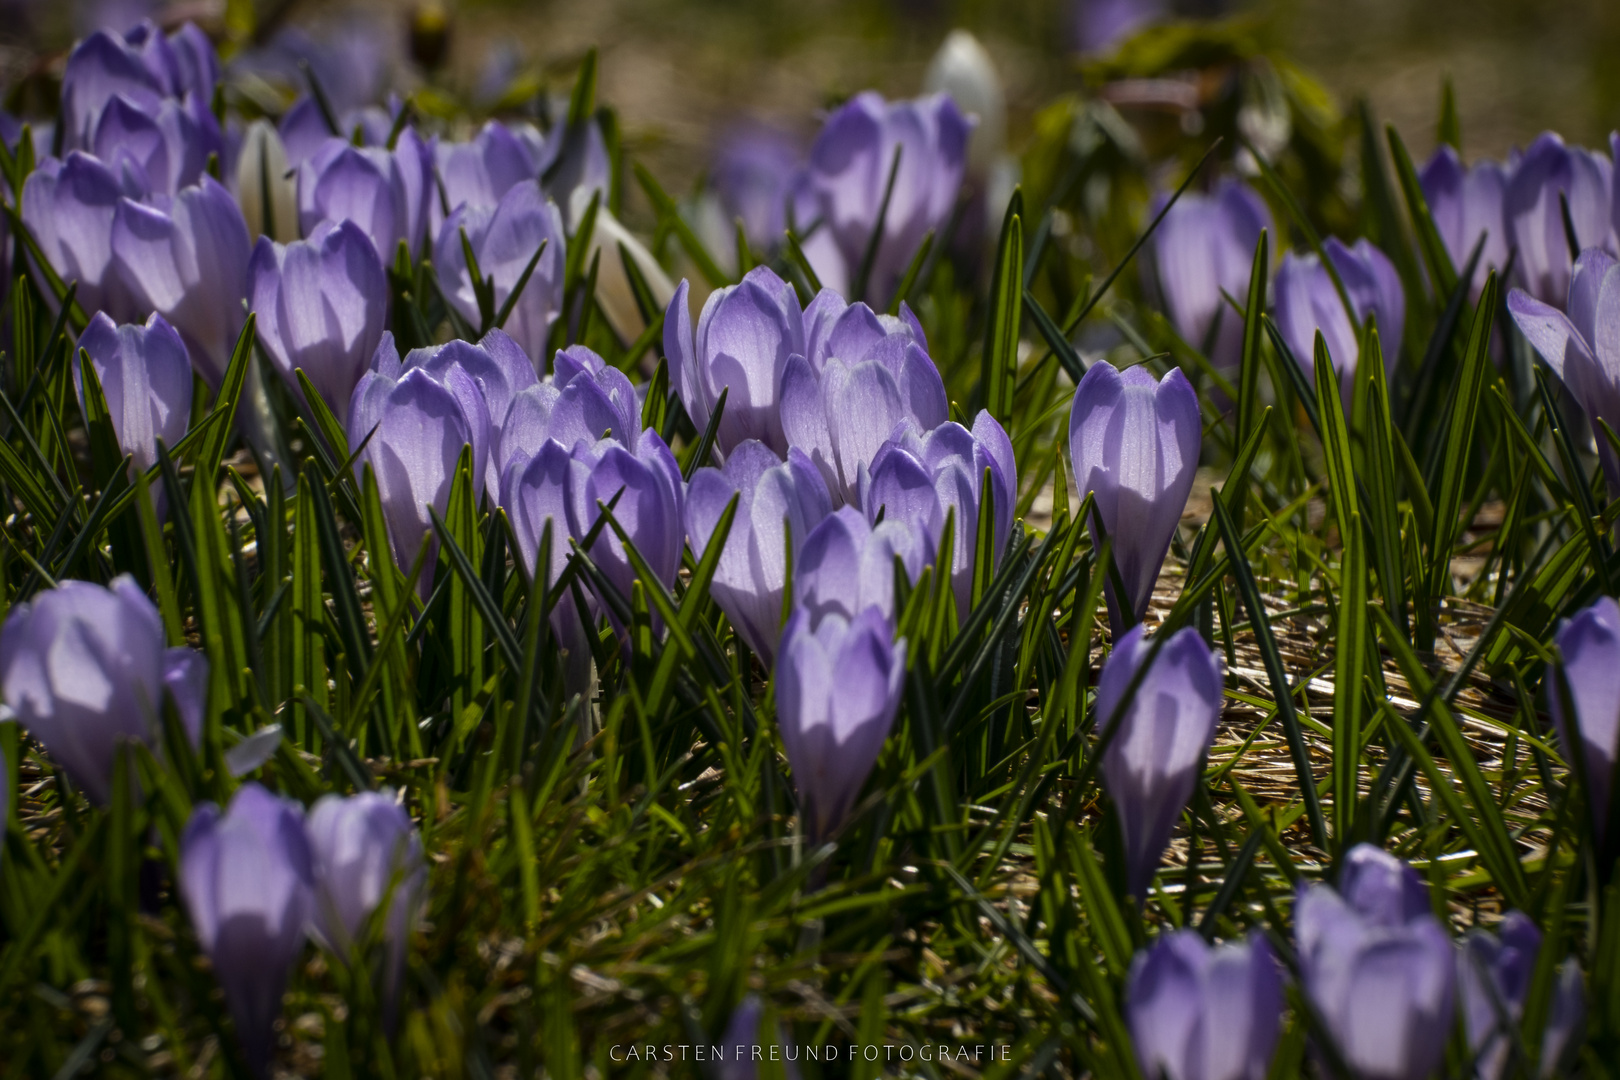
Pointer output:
x,y
1466,204
69,206
362,849
1198,1012
418,421
753,173
1380,973
264,190
1575,345
1493,974
778,503
1134,441
585,400
145,375
84,668
247,880
744,338
1549,175
1382,887
1307,302
847,565
849,171
385,192
165,149
610,243
924,477
321,306
188,262
504,241
480,172
862,375
651,506
1163,733
838,685
1204,248
142,66
1589,646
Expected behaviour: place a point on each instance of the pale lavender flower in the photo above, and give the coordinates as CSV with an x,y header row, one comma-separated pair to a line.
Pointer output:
x,y
1198,1012
385,192
848,565
1549,176
1307,302
1204,248
145,375
1466,204
1589,647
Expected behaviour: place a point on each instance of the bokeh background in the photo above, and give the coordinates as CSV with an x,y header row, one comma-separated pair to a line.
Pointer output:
x,y
680,73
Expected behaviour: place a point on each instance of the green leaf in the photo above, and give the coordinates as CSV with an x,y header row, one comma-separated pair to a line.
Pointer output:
x,y
669,215
1435,256
1350,660
999,371
1248,398
1458,438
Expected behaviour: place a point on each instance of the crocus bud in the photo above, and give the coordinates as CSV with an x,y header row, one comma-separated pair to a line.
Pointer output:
x,y
1203,251
753,173
613,291
1202,1013
143,65
246,878
849,171
364,848
1164,731
1583,357
145,376
84,668
745,336
1466,203
1135,441
924,477
650,508
385,192
504,240
1493,974
1549,175
422,418
862,375
1379,971
164,149
585,400
188,263
1589,646
963,71
1308,302
837,688
321,306
264,190
69,206
479,173
847,565
778,504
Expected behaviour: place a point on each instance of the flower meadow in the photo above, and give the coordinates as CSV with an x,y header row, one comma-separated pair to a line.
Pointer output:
x,y
1129,602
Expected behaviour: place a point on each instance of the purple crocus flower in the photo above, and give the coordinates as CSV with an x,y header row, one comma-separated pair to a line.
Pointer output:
x,y
1533,212
779,503
1494,973
1135,441
246,877
364,848
69,206
1203,248
322,306
164,148
145,375
1378,968
422,415
1576,345
754,171
385,192
862,374
304,131
923,477
848,172
1308,302
143,66
745,336
480,172
1202,1013
1466,203
838,685
84,669
847,565
504,241
583,401
1589,646
651,507
187,261
1100,25
1164,730
741,1049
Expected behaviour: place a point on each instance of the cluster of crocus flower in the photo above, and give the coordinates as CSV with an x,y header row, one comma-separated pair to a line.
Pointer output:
x,y
260,877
